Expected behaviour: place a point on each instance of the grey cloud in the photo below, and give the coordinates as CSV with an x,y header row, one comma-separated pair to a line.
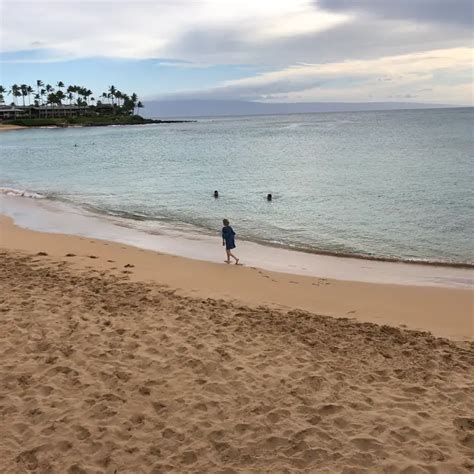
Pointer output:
x,y
439,11
249,92
358,39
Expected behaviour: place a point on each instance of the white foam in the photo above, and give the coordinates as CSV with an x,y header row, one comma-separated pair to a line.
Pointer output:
x,y
21,193
49,216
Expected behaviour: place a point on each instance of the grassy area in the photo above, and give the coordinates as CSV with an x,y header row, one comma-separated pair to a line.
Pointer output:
x,y
84,121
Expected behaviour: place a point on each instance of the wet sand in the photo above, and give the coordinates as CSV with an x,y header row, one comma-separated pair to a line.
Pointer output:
x,y
116,359
444,311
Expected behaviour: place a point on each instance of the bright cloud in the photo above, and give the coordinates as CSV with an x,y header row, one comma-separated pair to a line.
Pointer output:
x,y
309,49
147,29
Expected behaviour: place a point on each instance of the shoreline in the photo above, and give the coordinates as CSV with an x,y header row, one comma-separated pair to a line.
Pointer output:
x,y
196,231
12,127
56,216
8,128
443,311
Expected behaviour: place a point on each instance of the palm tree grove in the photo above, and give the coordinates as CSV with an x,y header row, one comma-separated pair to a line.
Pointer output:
x,y
63,105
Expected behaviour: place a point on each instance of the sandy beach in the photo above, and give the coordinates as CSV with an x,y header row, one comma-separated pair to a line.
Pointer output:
x,y
116,359
6,128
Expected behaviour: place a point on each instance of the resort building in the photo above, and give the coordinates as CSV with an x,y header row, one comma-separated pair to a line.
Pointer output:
x,y
12,112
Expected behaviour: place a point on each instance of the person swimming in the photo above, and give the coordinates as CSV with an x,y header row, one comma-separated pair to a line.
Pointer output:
x,y
228,239
216,194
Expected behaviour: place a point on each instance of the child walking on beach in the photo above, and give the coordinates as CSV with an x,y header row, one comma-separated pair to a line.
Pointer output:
x,y
228,239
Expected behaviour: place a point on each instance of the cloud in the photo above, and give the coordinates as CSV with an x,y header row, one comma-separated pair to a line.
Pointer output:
x,y
418,11
263,32
308,47
409,76
145,29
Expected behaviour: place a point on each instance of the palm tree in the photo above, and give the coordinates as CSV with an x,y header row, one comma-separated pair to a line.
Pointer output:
x,y
42,93
49,91
30,91
24,92
134,100
112,91
39,85
139,106
70,92
60,96
37,99
60,85
2,94
15,92
87,94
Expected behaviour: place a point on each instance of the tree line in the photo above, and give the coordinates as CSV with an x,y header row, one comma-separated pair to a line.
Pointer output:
x,y
44,95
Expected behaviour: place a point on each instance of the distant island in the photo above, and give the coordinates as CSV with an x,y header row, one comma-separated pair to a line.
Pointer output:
x,y
71,105
195,107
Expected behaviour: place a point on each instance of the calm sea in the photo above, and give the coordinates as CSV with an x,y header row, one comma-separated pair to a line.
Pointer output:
x,y
392,184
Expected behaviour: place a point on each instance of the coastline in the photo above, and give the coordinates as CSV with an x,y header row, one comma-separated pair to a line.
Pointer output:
x,y
8,128
34,211
424,308
59,124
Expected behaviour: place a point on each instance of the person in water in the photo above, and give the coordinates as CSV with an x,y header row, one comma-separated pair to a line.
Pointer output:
x,y
269,197
216,194
228,239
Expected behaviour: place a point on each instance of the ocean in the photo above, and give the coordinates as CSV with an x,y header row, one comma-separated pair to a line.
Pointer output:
x,y
385,185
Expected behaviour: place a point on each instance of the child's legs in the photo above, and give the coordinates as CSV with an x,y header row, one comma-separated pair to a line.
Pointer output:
x,y
230,254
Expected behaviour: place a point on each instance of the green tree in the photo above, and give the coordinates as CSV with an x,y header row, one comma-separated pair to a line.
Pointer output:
x,y
30,91
134,99
15,92
42,94
140,106
2,94
24,92
60,96
112,91
39,85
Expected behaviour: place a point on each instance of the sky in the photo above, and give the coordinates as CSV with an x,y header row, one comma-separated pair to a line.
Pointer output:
x,y
260,50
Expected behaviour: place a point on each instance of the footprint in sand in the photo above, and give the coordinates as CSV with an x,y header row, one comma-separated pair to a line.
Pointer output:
x,y
70,255
128,266
93,256
42,254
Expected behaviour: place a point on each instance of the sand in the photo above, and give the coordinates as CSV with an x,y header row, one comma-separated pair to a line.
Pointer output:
x,y
446,312
5,127
108,367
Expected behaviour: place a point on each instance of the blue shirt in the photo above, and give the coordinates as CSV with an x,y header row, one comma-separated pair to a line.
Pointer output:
x,y
228,235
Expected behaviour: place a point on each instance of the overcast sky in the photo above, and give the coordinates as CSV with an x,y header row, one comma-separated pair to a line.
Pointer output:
x,y
267,50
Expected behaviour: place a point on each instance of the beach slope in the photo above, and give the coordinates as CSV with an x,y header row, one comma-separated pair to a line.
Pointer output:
x,y
103,371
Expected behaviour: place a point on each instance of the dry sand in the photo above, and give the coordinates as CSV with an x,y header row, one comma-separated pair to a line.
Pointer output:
x,y
5,128
108,368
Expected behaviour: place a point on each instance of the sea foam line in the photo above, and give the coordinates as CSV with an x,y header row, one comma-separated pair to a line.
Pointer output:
x,y
21,193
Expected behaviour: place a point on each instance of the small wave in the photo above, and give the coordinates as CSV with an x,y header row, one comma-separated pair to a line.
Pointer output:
x,y
21,193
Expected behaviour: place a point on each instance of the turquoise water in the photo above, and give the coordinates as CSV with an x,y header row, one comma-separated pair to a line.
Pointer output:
x,y
392,184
